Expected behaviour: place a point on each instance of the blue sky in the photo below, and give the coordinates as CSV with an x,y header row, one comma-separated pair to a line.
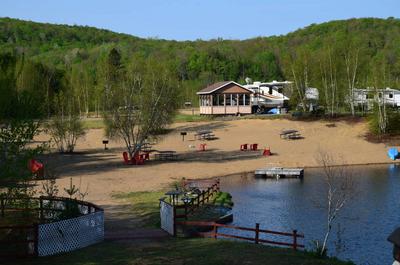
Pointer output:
x,y
193,19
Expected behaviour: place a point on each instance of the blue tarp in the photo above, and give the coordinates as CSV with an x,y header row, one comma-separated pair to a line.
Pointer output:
x,y
273,111
393,153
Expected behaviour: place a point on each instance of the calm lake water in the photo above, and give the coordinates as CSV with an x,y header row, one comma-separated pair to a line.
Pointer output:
x,y
287,204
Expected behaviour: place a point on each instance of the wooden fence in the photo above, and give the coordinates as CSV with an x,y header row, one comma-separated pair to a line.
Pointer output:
x,y
294,236
197,202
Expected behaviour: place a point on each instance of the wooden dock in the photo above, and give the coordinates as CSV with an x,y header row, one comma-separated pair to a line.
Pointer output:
x,y
280,172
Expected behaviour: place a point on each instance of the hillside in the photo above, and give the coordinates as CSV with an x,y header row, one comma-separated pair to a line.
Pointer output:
x,y
315,49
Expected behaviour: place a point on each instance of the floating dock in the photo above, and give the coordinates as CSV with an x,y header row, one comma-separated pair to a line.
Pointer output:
x,y
280,172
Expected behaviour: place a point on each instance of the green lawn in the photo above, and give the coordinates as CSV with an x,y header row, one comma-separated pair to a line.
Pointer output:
x,y
93,124
183,251
144,206
190,118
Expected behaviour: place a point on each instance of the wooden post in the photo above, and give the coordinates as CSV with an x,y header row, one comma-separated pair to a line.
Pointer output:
x,y
186,211
295,239
2,206
174,220
257,233
36,246
215,231
225,104
41,209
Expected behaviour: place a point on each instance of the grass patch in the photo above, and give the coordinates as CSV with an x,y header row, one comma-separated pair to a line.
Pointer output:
x,y
93,124
183,251
190,118
144,205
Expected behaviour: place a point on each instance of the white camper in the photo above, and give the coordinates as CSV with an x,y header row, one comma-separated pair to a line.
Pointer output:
x,y
367,97
268,95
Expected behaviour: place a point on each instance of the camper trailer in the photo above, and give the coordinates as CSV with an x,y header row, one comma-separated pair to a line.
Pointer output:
x,y
367,97
268,95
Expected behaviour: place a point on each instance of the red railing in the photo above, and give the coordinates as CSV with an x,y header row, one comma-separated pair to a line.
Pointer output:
x,y
257,232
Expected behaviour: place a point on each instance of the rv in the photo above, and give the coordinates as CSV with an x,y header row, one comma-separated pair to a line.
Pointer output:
x,y
268,95
367,97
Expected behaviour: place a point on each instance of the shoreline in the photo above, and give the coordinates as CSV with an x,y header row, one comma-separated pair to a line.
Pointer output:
x,y
305,167
106,174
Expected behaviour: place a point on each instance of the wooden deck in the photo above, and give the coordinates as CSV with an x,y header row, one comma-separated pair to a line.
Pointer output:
x,y
279,172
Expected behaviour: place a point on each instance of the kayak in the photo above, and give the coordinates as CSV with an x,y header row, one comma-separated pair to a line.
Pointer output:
x,y
393,153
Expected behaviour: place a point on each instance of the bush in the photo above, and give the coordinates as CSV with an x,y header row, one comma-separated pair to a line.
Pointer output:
x,y
393,122
66,127
65,131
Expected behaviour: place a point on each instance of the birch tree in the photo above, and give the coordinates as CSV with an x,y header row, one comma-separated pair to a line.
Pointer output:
x,y
329,81
300,72
351,61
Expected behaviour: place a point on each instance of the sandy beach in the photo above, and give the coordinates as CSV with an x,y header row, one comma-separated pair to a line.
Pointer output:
x,y
105,173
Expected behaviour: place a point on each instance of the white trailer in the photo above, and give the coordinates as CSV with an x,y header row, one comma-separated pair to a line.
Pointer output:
x,y
367,97
268,95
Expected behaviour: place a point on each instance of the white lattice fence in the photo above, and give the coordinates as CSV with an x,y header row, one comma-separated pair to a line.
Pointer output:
x,y
167,217
71,234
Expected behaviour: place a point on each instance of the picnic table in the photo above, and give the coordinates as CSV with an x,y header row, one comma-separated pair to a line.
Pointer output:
x,y
166,155
204,135
290,134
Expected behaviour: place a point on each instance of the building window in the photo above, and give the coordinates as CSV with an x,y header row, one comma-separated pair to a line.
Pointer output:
x,y
234,100
241,100
215,100
247,100
220,100
391,95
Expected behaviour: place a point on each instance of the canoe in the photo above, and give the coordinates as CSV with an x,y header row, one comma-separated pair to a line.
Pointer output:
x,y
393,153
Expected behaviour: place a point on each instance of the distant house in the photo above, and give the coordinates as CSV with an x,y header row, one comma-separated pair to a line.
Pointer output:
x,y
224,98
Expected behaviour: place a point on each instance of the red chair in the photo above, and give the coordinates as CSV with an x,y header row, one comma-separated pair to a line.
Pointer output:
x,y
254,147
267,152
202,147
243,147
36,167
137,160
127,161
145,156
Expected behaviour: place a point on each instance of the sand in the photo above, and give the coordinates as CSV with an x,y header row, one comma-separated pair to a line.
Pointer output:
x,y
105,173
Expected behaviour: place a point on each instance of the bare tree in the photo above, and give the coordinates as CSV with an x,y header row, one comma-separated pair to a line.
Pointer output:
x,y
141,105
340,189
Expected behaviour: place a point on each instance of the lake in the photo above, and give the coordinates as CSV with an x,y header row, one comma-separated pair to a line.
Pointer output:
x,y
288,204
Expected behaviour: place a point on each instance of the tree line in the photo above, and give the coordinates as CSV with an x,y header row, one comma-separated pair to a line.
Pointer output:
x,y
336,57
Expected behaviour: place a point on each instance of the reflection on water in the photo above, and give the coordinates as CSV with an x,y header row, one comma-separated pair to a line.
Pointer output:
x,y
288,204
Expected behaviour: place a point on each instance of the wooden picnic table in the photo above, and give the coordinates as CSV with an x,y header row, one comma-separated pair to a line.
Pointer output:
x,y
166,155
204,134
290,134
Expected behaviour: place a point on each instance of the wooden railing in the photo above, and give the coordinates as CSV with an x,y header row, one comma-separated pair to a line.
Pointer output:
x,y
197,202
294,235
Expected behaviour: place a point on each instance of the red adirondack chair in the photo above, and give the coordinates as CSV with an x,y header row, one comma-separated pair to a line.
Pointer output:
x,y
127,161
36,167
254,147
243,147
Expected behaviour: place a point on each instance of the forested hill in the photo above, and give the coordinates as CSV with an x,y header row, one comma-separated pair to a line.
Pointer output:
x,y
306,56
